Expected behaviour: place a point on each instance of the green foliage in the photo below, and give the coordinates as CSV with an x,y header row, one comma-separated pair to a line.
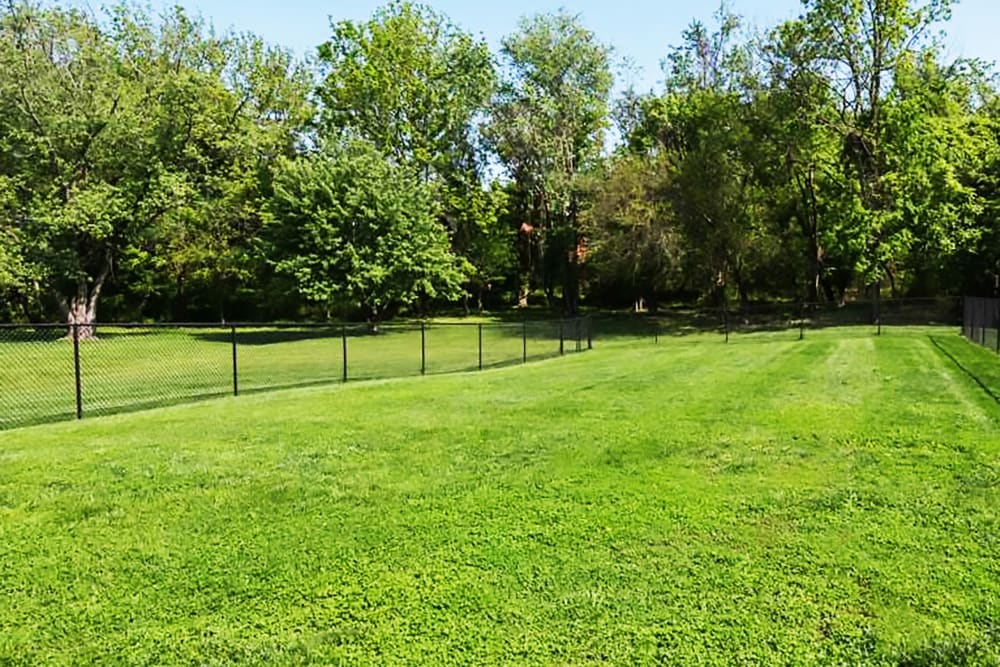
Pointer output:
x,y
409,82
354,231
547,127
635,246
833,502
414,86
898,159
833,146
827,155
137,145
700,134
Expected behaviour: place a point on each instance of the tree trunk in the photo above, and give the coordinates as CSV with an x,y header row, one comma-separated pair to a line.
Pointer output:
x,y
571,291
809,222
81,314
571,295
80,311
815,252
180,299
894,290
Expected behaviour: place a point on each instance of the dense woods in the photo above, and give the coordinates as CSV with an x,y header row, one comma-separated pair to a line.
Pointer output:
x,y
153,168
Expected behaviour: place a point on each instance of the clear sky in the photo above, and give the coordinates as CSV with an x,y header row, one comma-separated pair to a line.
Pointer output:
x,y
640,30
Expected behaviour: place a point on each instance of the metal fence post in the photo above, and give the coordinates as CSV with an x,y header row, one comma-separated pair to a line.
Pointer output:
x,y
343,339
236,373
973,303
985,320
561,342
972,320
590,333
725,321
423,348
965,316
76,370
878,308
802,321
524,341
996,321
480,346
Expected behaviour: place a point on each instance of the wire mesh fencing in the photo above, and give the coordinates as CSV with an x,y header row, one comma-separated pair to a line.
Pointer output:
x,y
59,372
981,322
864,317
55,372
781,321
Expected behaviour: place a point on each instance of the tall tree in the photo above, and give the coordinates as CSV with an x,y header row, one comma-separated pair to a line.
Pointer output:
x,y
858,50
413,84
701,130
635,245
798,163
548,127
409,82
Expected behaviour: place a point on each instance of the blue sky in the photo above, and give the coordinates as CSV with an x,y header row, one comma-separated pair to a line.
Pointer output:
x,y
641,30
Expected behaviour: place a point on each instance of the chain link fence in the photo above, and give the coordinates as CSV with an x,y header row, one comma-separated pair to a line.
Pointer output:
x,y
59,372
787,320
54,372
858,317
981,322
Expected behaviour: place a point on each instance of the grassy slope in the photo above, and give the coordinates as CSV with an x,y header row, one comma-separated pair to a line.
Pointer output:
x,y
773,502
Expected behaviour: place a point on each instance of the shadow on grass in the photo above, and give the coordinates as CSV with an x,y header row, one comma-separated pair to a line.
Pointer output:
x,y
263,336
964,369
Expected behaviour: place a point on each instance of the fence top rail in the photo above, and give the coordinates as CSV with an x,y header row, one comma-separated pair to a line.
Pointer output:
x,y
283,325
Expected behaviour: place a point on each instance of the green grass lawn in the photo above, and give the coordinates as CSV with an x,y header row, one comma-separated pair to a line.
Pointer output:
x,y
826,502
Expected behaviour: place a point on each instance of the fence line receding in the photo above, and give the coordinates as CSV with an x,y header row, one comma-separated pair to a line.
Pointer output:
x,y
58,372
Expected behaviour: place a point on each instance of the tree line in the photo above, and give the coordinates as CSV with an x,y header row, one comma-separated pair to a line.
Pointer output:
x,y
158,169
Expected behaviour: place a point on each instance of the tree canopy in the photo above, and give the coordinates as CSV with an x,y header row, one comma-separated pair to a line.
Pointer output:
x,y
159,169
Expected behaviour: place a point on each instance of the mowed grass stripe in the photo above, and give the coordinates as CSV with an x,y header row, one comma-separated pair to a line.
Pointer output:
x,y
771,502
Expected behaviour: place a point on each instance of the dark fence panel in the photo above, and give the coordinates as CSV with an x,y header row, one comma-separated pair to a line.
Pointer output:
x,y
981,321
54,372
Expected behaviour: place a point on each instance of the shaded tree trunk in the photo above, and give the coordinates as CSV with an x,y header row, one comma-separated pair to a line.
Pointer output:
x,y
571,295
80,310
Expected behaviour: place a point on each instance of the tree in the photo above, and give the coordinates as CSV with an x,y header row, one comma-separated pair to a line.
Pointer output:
x,y
413,85
126,136
481,237
236,120
699,132
635,246
410,83
547,127
353,231
798,164
859,51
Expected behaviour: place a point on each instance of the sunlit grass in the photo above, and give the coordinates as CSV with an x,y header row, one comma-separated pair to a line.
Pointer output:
x,y
825,502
